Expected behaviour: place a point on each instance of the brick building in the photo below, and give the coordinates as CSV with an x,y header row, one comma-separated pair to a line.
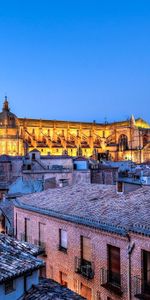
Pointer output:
x,y
97,241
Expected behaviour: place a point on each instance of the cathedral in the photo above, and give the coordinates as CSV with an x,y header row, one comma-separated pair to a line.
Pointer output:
x,y
126,140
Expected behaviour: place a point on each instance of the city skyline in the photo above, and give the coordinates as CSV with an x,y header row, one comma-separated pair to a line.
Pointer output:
x,y
82,61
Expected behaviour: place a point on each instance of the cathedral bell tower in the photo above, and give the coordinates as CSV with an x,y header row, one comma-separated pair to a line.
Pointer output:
x,y
6,105
10,142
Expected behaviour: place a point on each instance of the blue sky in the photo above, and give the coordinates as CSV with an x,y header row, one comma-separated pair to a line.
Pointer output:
x,y
76,59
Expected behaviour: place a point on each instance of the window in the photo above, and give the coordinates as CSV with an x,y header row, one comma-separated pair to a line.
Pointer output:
x,y
9,287
42,272
33,156
16,225
146,272
41,234
114,265
86,249
86,292
63,240
123,142
98,295
26,231
84,264
50,272
120,187
63,279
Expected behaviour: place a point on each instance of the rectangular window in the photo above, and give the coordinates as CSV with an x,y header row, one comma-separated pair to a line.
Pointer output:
x,y
63,239
42,272
16,225
98,295
86,292
9,287
146,272
114,265
26,230
120,187
86,249
63,279
41,234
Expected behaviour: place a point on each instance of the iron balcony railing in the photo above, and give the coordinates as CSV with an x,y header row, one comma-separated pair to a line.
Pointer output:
x,y
141,287
111,281
85,268
42,246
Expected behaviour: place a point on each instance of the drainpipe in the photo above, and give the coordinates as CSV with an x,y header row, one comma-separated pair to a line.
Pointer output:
x,y
129,252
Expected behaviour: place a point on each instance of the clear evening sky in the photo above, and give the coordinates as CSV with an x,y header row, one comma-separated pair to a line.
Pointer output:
x,y
76,59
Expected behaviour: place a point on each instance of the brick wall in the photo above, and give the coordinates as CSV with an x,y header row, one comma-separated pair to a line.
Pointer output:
x,y
58,261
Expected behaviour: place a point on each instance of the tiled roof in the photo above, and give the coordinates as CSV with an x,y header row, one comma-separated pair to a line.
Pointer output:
x,y
12,243
48,289
8,158
16,258
7,208
94,205
55,157
80,158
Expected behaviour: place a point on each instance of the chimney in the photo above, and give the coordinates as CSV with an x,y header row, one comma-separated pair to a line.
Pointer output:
x,y
119,187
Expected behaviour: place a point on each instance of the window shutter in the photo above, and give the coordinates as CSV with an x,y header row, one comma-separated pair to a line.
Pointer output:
x,y
63,238
114,259
86,248
41,232
86,292
64,276
148,267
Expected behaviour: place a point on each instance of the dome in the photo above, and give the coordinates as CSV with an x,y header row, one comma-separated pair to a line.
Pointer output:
x,y
7,118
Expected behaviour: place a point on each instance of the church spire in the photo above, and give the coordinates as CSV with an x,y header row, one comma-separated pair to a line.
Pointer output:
x,y
6,105
132,121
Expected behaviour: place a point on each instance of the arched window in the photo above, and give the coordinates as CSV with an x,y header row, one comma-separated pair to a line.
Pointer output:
x,y
145,139
123,142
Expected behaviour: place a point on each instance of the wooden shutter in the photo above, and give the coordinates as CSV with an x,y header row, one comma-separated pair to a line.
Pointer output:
x,y
146,266
86,292
114,259
27,230
120,186
63,279
86,248
63,238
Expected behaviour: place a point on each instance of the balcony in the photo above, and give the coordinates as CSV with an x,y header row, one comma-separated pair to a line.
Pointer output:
x,y
42,246
85,268
111,281
141,288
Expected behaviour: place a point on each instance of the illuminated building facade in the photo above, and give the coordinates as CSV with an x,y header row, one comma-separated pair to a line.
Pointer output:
x,y
117,141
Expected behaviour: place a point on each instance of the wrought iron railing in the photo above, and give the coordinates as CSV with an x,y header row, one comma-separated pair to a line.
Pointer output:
x,y
141,287
85,268
42,245
111,280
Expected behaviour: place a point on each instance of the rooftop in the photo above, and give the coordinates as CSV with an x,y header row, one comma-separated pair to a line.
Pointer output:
x,y
16,258
7,208
94,205
48,289
12,243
